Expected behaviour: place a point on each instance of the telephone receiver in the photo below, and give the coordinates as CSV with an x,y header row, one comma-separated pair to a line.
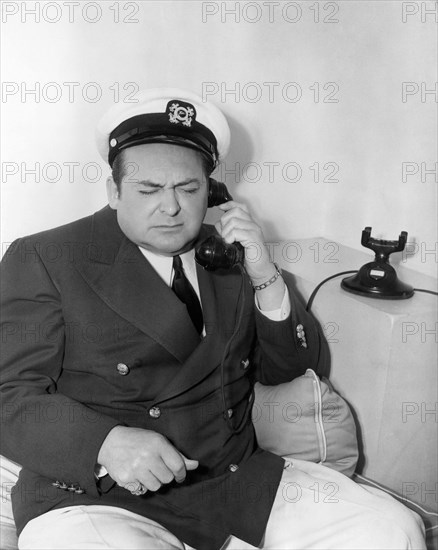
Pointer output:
x,y
214,253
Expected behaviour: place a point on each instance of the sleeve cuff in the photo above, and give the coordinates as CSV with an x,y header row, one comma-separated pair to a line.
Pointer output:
x,y
279,314
100,471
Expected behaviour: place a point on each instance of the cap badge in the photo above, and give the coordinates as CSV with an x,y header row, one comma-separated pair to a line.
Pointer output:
x,y
179,113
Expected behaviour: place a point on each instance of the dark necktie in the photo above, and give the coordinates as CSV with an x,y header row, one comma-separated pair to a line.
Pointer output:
x,y
185,292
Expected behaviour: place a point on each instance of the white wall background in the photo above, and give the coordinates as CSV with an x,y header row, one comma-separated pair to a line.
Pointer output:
x,y
366,131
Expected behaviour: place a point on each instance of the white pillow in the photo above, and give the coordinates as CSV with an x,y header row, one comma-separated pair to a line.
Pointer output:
x,y
306,419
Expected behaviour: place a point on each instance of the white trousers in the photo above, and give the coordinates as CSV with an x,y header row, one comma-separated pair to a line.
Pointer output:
x,y
314,508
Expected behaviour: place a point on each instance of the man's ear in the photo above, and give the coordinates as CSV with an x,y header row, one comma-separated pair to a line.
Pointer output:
x,y
112,193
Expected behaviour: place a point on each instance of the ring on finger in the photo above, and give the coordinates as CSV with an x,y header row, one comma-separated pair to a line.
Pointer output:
x,y
141,490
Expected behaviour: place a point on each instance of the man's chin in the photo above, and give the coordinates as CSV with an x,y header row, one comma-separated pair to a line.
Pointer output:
x,y
170,246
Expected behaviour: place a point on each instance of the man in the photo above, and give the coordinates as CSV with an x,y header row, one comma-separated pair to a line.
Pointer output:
x,y
130,409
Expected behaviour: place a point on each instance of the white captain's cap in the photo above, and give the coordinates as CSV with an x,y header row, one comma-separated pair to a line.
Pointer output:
x,y
164,115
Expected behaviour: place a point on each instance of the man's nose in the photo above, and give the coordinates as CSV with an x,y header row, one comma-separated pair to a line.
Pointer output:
x,y
169,203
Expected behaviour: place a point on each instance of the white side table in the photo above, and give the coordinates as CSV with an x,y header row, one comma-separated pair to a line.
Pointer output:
x,y
383,362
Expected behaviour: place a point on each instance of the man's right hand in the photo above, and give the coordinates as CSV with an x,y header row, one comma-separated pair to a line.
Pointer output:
x,y
135,457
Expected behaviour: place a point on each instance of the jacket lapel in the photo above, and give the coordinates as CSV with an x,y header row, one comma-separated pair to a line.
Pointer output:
x,y
119,273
